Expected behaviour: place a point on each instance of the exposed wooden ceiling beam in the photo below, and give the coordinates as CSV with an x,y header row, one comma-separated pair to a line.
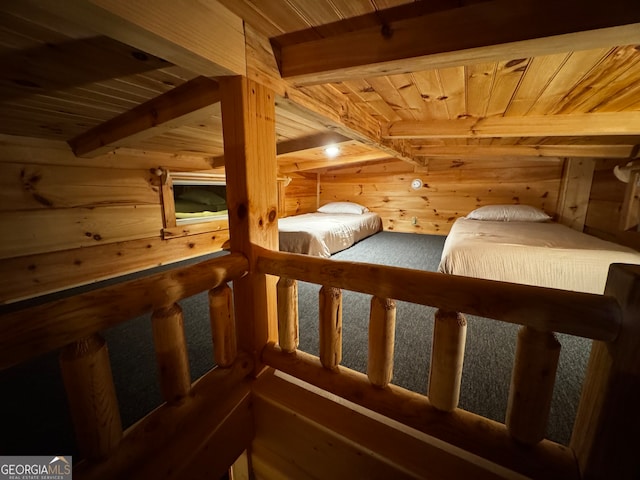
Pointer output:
x,y
188,103
318,164
488,31
596,124
204,37
313,141
483,151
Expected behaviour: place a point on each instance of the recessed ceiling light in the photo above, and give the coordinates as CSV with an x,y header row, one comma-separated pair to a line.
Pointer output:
x,y
331,151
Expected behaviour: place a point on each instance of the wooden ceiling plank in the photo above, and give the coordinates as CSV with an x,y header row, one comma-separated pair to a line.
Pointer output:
x,y
496,30
430,88
353,8
183,104
479,79
246,10
539,73
601,82
507,78
364,95
204,37
621,123
384,4
627,99
453,87
627,80
411,95
573,71
390,93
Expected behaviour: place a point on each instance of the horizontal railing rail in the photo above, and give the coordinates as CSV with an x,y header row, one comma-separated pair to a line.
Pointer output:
x,y
32,331
581,314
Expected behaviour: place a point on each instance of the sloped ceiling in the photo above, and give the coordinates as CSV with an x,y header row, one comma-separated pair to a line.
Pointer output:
x,y
62,77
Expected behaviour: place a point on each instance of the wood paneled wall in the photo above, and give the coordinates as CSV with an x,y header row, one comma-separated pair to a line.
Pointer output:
x,y
67,221
301,195
451,189
605,206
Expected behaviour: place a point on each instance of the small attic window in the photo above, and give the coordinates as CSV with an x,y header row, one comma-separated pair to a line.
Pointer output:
x,y
193,203
199,202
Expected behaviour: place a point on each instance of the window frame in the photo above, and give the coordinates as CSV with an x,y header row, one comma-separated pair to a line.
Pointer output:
x,y
172,227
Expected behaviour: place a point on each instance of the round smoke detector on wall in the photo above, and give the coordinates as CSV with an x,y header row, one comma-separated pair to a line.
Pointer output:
x,y
416,184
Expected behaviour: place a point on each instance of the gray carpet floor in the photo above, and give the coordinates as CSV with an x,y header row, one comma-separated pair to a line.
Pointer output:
x,y
32,397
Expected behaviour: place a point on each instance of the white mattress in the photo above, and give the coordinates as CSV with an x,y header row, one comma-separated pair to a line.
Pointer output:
x,y
322,234
542,254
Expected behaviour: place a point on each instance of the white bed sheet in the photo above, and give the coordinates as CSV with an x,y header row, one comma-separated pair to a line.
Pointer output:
x,y
542,254
322,234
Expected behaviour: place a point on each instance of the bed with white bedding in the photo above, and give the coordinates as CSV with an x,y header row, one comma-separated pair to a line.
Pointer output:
x,y
535,252
326,232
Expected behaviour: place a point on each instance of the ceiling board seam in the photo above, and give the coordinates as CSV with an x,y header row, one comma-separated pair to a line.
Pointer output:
x,y
493,84
585,76
551,78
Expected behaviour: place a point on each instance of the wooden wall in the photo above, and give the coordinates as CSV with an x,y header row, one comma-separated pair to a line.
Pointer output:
x,y
451,189
605,206
67,221
301,195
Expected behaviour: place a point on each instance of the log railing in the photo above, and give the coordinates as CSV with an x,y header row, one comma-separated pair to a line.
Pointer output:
x,y
72,325
520,444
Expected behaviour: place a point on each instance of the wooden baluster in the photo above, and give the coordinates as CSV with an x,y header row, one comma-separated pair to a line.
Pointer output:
x,y
382,331
171,353
288,314
86,373
532,379
607,420
330,327
223,327
447,358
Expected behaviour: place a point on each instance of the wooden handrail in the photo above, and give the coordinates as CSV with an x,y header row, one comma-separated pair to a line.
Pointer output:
x,y
546,309
33,331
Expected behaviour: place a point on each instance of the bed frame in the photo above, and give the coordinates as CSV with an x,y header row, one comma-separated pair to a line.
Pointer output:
x,y
321,419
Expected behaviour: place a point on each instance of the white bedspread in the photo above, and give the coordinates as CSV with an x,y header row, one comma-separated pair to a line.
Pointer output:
x,y
542,254
322,234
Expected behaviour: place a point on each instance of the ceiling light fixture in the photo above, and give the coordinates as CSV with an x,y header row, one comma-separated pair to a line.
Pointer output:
x,y
331,151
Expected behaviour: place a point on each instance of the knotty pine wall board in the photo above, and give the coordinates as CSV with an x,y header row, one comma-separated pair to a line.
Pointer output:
x,y
451,189
30,187
301,195
68,221
38,274
48,230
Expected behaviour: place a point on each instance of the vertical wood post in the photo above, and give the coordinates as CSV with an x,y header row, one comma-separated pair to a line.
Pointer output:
x,y
288,314
223,327
86,373
248,125
382,331
532,380
171,353
607,420
330,327
447,358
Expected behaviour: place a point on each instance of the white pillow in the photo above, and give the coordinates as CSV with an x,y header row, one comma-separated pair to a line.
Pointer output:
x,y
343,207
509,213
